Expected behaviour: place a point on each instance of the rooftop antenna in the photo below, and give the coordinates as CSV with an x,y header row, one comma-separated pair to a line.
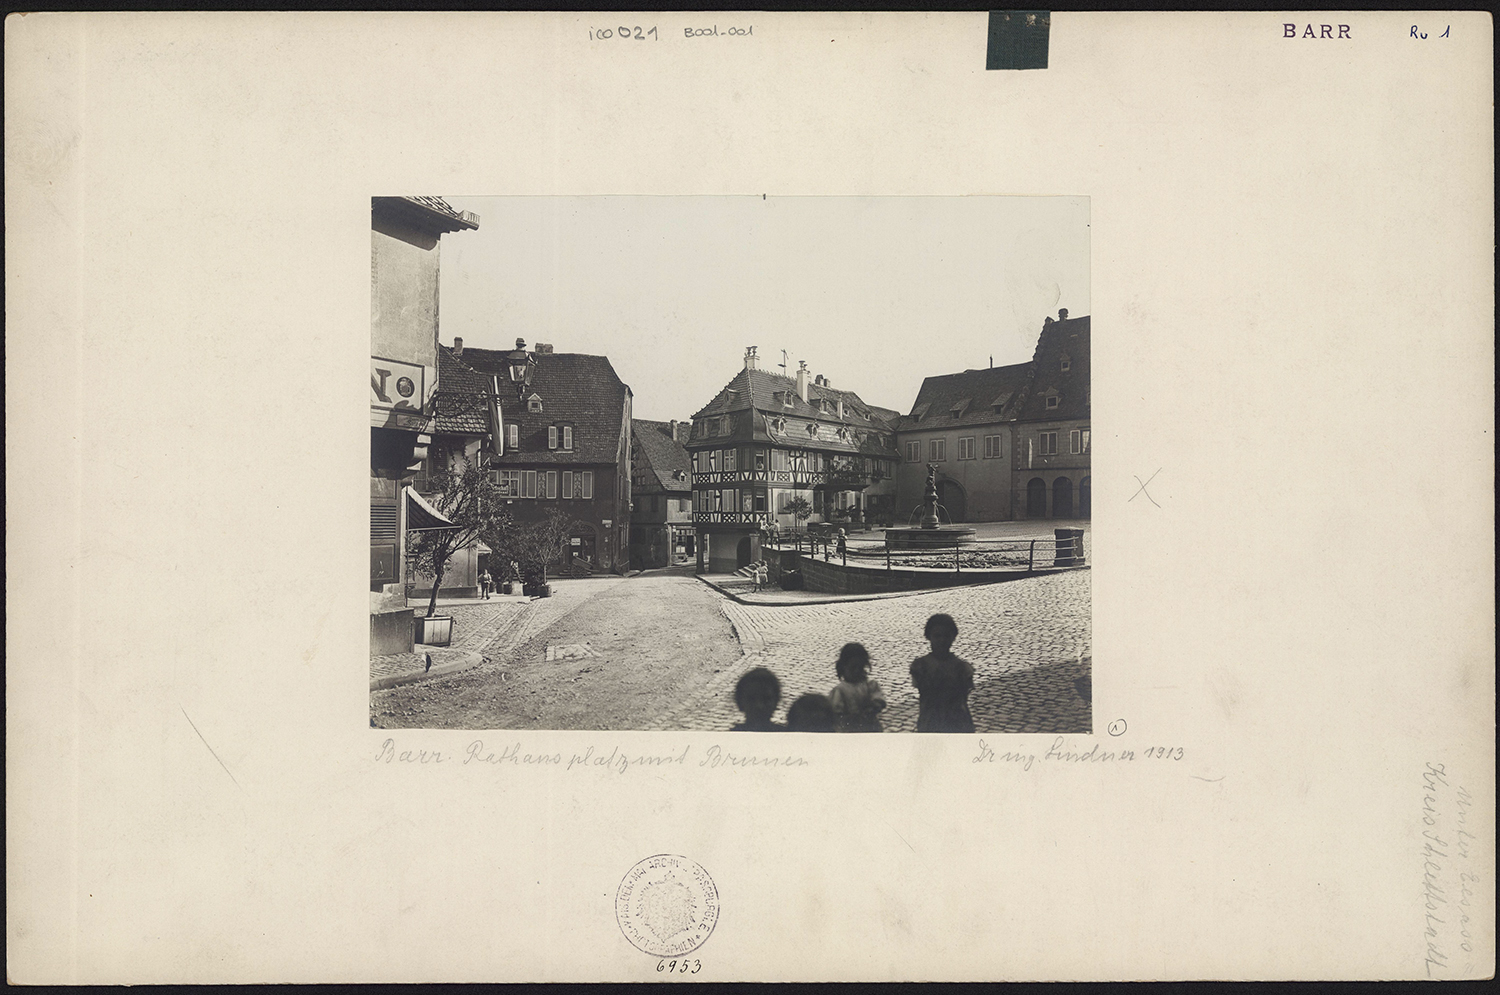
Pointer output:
x,y
783,362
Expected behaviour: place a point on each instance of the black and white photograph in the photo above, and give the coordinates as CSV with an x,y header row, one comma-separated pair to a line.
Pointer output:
x,y
732,373
730,463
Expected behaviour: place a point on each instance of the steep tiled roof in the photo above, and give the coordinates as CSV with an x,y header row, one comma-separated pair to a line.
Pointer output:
x,y
461,397
1068,338
1012,393
766,391
973,393
655,455
768,399
575,389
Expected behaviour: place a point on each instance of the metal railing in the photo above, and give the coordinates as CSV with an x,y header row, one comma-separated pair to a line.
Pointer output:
x,y
1021,554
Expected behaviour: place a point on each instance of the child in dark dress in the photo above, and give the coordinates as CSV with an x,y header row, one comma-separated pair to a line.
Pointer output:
x,y
943,681
757,694
810,713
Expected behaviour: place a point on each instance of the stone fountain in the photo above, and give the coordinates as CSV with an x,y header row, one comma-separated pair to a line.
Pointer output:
x,y
929,531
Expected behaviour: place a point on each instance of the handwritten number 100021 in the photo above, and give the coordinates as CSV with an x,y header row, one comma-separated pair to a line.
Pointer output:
x,y
624,34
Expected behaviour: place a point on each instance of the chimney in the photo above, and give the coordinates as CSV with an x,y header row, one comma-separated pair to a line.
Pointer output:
x,y
751,362
674,429
802,379
458,347
841,409
1062,314
544,348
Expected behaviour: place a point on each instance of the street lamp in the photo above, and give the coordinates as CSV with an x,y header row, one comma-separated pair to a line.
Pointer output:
x,y
521,365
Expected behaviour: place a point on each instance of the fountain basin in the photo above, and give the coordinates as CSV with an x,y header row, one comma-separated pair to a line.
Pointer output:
x,y
942,537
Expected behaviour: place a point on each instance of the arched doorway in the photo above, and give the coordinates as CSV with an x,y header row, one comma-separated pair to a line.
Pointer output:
x,y
951,497
742,553
1036,498
1085,498
1062,498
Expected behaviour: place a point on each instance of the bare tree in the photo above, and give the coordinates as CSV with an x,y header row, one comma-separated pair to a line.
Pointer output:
x,y
465,496
534,544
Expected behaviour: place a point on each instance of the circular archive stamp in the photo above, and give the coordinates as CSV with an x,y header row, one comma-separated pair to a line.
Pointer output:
x,y
667,905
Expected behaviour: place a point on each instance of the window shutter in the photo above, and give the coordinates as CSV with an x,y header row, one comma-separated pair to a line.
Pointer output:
x,y
515,436
551,436
567,437
567,484
383,525
588,484
552,484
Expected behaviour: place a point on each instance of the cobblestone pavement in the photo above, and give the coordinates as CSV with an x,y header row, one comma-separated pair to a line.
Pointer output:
x,y
743,589
599,654
482,629
664,652
1029,640
475,625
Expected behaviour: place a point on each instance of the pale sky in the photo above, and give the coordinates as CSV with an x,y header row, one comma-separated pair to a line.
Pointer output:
x,y
873,292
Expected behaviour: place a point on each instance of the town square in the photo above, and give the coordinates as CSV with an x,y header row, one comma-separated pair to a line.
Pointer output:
x,y
784,554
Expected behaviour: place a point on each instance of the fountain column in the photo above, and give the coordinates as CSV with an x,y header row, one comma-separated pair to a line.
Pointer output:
x,y
929,499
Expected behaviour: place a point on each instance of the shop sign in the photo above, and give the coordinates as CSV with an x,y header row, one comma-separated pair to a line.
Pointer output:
x,y
397,393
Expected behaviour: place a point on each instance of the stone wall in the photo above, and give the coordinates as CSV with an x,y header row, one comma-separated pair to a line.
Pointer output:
x,y
391,631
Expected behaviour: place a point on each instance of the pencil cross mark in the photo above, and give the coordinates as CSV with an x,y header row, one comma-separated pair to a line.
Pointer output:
x,y
1143,490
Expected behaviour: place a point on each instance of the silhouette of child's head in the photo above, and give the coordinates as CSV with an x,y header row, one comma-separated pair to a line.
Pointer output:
x,y
854,663
757,694
810,713
941,631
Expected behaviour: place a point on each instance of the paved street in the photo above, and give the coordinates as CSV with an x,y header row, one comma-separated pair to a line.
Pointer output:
x,y
663,651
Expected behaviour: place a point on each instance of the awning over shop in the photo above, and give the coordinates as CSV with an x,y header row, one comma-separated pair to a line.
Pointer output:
x,y
423,517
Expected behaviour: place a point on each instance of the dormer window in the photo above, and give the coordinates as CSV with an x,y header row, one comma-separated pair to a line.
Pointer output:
x,y
812,429
1052,401
1067,363
534,404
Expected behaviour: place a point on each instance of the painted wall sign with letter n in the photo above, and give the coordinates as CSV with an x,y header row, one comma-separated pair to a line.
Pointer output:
x,y
397,390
